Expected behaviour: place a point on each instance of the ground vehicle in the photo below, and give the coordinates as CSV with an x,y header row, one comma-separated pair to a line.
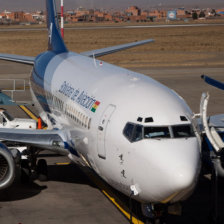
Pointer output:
x,y
7,121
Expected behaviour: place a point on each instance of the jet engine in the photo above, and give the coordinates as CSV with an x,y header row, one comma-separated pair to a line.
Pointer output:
x,y
7,167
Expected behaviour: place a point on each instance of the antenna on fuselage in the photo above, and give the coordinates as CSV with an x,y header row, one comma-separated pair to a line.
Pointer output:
x,y
94,60
62,19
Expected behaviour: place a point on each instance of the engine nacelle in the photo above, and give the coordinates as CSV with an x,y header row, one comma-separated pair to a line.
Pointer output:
x,y
7,167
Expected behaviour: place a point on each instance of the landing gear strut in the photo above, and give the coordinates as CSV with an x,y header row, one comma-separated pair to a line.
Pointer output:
x,y
25,171
214,180
154,213
42,171
33,169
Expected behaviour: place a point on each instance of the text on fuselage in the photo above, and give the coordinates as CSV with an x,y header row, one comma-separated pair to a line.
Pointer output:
x,y
81,97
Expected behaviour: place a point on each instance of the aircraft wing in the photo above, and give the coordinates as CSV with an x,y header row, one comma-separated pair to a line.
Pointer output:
x,y
213,82
113,49
54,140
18,58
96,53
217,121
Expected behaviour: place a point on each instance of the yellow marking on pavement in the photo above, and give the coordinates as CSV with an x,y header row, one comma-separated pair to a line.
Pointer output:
x,y
62,164
101,186
28,112
134,220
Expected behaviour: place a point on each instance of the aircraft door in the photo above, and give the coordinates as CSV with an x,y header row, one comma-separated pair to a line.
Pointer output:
x,y
102,128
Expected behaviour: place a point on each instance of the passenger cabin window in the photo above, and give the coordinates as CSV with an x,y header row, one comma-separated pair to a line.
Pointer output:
x,y
156,132
183,131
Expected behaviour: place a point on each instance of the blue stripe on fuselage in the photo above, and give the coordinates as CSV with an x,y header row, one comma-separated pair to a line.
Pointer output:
x,y
40,65
71,149
55,62
38,74
44,69
41,78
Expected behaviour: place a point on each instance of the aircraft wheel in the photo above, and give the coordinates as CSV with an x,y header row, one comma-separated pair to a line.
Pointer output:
x,y
148,222
25,171
156,221
42,170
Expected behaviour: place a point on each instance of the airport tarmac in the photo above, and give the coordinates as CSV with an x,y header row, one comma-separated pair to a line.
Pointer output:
x,y
71,197
90,27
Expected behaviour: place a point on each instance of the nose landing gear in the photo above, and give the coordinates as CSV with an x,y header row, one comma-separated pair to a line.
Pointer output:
x,y
154,214
215,219
42,170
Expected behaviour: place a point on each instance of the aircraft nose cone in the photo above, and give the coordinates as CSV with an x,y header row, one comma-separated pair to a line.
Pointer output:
x,y
184,177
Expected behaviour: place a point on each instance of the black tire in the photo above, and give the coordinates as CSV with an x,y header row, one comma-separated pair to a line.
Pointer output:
x,y
25,172
149,222
42,170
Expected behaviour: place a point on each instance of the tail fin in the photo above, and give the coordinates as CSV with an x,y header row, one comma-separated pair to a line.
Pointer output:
x,y
55,41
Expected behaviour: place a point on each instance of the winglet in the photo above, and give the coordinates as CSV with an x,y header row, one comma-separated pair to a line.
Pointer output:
x,y
55,41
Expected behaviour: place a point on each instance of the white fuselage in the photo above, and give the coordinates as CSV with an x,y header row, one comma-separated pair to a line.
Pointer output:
x,y
100,104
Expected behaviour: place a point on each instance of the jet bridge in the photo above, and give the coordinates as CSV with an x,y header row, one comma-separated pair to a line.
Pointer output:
x,y
13,89
212,151
212,135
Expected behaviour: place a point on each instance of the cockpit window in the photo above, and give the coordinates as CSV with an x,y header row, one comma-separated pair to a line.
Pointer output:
x,y
133,132
156,132
183,118
136,132
183,131
137,135
128,131
148,119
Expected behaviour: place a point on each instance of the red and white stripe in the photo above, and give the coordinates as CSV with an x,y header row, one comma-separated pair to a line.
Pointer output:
x,y
62,18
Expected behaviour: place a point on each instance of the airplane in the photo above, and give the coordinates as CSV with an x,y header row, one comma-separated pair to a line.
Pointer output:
x,y
135,133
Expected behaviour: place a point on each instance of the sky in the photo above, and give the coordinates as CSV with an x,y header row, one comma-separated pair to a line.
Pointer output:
x,y
110,4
